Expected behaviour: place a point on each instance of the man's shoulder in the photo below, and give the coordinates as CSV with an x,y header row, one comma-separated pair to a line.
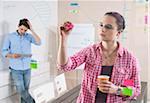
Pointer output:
x,y
12,33
28,34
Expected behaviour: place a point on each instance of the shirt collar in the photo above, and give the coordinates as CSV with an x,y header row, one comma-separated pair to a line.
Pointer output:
x,y
17,33
119,52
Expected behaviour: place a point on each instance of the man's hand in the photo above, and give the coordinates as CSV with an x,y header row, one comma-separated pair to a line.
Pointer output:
x,y
29,23
15,56
35,36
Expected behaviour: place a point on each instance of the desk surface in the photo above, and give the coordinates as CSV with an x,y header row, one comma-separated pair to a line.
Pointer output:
x,y
143,95
71,96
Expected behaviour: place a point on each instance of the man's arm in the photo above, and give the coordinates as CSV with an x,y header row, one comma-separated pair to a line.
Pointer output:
x,y
6,49
13,55
35,36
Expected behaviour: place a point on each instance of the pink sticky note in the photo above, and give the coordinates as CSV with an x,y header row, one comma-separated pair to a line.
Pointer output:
x,y
146,19
128,82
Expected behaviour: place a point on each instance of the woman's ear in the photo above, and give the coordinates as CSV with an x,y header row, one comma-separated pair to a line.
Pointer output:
x,y
121,30
118,34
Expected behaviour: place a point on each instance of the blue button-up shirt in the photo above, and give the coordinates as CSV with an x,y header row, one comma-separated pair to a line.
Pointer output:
x,y
14,43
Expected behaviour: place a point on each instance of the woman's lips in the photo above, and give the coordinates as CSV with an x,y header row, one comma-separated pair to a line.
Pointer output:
x,y
102,34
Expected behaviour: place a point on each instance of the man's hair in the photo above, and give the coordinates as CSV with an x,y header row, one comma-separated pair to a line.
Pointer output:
x,y
119,20
24,22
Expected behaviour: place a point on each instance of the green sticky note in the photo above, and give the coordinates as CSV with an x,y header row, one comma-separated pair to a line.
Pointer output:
x,y
33,64
127,91
73,11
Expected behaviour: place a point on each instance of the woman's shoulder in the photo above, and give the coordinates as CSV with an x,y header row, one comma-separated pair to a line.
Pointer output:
x,y
94,46
90,49
128,53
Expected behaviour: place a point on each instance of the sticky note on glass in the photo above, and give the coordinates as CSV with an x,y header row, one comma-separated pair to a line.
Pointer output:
x,y
33,64
127,91
146,19
128,82
73,11
74,4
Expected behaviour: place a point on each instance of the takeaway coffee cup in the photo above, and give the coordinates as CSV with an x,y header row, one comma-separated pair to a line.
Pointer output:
x,y
103,78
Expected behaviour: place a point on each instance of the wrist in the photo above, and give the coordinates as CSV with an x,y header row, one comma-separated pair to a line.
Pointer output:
x,y
63,41
9,56
119,90
63,38
31,30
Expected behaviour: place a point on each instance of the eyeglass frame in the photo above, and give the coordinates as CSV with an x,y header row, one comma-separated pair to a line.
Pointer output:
x,y
106,26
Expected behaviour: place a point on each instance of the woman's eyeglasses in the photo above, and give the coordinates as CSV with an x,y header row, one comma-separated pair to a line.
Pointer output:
x,y
107,26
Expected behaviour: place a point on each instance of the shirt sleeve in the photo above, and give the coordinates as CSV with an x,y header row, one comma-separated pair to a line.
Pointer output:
x,y
6,46
32,40
136,78
75,60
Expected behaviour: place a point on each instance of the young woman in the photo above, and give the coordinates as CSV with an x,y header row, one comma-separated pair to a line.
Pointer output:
x,y
107,57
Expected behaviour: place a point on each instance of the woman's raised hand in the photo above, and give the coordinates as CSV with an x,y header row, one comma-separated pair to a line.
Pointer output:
x,y
66,28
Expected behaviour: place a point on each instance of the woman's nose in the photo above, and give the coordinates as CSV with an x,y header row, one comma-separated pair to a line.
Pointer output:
x,y
103,29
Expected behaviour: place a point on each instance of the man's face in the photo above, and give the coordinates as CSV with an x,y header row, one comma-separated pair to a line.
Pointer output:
x,y
22,29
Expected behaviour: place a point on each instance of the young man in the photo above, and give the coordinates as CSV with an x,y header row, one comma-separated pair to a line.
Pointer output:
x,y
17,47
